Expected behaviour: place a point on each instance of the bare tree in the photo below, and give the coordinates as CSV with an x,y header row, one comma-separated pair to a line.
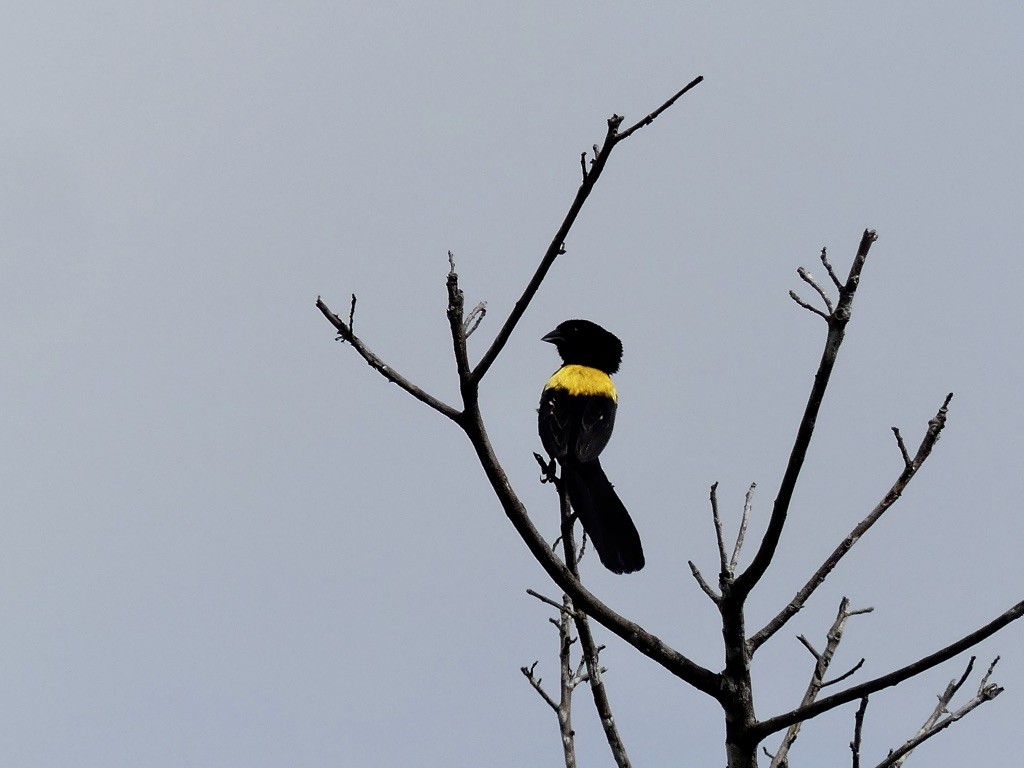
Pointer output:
x,y
731,687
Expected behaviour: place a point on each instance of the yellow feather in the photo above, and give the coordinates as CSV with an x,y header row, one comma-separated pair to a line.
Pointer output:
x,y
581,380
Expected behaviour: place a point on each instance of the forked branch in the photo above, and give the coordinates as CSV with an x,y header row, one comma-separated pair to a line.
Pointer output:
x,y
837,321
774,724
346,334
911,466
941,718
822,662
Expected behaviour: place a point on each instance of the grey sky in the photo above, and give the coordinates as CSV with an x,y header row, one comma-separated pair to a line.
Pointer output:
x,y
226,542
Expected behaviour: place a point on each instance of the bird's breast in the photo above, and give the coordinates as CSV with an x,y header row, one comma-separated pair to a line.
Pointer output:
x,y
582,380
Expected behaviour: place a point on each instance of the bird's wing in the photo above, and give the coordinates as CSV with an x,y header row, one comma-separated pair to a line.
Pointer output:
x,y
555,422
597,418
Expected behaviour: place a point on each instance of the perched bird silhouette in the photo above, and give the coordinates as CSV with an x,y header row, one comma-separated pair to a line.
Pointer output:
x,y
575,421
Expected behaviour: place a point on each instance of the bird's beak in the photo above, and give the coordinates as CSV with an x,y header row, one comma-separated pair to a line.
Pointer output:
x,y
552,338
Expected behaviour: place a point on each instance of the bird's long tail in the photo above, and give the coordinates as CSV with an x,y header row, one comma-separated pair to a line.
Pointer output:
x,y
604,517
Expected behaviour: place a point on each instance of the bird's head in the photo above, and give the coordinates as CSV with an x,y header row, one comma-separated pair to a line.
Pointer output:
x,y
581,342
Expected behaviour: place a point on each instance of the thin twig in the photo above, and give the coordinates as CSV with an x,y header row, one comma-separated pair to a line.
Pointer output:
x,y
723,558
474,318
793,295
548,601
849,673
651,117
903,448
457,327
828,268
858,728
807,644
536,683
742,534
702,583
385,370
806,277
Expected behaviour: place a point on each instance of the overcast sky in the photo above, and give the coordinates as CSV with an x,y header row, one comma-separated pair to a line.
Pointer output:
x,y
227,542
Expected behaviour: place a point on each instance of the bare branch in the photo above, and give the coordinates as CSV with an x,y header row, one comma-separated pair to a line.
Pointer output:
x,y
474,318
903,447
836,330
988,673
557,244
828,268
457,326
742,534
591,651
858,728
651,117
472,423
807,644
771,725
936,723
345,334
568,680
911,466
536,683
705,587
644,641
822,661
549,601
806,277
723,558
849,673
805,305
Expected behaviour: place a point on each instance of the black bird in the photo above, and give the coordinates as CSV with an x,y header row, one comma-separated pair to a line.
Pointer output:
x,y
575,420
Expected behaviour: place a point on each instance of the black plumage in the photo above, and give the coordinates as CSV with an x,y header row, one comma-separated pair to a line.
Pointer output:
x,y
575,421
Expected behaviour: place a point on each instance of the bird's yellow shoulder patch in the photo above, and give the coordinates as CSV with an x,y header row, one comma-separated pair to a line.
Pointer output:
x,y
582,380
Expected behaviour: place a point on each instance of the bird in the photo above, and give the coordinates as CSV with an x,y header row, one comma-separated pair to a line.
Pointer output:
x,y
575,421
